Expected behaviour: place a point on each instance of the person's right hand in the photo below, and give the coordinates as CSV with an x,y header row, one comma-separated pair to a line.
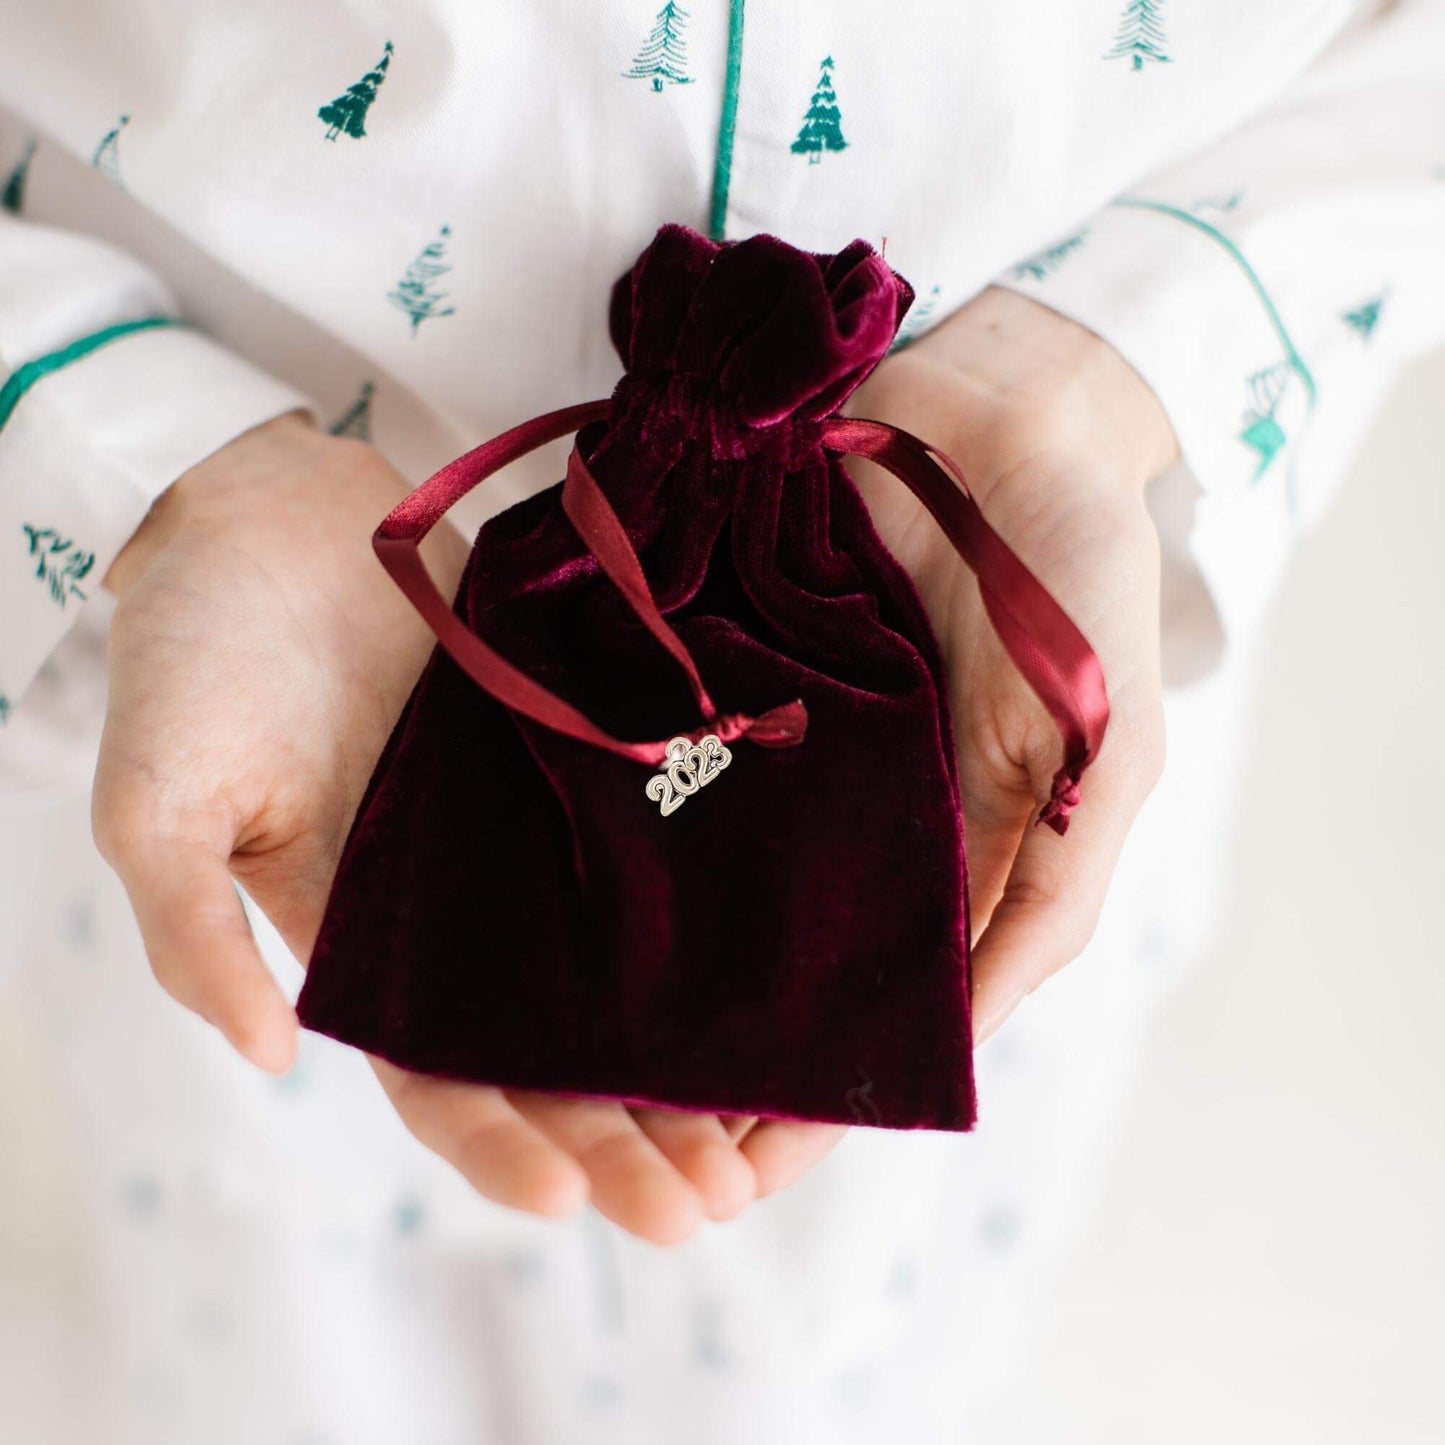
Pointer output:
x,y
259,657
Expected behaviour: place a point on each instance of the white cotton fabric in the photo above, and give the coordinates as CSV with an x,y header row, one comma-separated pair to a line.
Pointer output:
x,y
279,1262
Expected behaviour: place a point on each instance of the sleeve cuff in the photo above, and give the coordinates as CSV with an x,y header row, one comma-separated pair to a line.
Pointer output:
x,y
1180,304
1174,296
85,452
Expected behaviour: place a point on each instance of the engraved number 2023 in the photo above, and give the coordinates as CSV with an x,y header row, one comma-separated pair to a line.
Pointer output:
x,y
688,767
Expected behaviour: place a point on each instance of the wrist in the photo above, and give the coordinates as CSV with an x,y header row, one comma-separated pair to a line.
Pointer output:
x,y
1033,381
209,484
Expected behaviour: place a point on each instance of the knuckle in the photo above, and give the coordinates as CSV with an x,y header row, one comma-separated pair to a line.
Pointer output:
x,y
115,827
1062,934
125,811
105,809
1025,895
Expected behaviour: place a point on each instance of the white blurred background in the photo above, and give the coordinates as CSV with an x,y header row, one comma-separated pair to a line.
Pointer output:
x,y
1267,1261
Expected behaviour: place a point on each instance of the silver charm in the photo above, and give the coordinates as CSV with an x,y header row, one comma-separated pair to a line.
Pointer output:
x,y
688,766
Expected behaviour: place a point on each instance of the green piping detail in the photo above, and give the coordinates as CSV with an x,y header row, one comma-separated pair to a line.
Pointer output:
x,y
1291,354
727,127
24,377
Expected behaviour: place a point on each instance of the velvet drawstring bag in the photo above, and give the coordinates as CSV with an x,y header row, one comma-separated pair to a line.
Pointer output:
x,y
672,814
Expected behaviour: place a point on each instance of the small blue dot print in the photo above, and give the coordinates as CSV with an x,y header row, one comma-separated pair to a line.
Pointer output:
x,y
141,1197
77,925
902,1278
600,1393
1000,1227
854,1386
210,1324
707,1343
523,1266
408,1216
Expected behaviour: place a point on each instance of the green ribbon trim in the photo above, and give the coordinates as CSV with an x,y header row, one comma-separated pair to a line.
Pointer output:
x,y
727,127
1291,353
24,377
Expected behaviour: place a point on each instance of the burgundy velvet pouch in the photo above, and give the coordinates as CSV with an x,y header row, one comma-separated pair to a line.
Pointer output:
x,y
672,814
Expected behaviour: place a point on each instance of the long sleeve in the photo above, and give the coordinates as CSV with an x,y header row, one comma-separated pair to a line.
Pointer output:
x,y
1269,287
106,400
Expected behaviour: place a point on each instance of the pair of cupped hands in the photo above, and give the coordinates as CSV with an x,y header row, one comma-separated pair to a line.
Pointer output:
x,y
259,657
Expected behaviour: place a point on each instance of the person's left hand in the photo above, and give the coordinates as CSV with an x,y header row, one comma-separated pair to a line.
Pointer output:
x,y
1058,438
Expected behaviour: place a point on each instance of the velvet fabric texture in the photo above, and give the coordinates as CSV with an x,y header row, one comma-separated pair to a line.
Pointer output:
x,y
793,941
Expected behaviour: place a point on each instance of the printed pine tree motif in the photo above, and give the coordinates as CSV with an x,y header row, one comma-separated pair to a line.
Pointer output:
x,y
1140,36
107,154
355,421
4,709
1262,430
823,123
663,57
13,196
916,322
59,563
1042,264
348,112
1365,317
415,293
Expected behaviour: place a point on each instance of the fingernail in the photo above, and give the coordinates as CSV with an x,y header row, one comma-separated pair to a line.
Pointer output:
x,y
994,1018
273,1052
728,1184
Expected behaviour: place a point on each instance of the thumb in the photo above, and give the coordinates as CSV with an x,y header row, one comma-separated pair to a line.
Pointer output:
x,y
1052,898
200,944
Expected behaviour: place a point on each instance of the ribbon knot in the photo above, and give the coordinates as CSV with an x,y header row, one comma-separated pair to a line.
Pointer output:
x,y
780,727
1063,799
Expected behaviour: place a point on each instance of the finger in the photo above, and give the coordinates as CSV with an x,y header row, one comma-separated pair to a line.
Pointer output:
x,y
737,1125
699,1147
781,1151
998,803
1052,899
201,948
475,1128
632,1181
291,885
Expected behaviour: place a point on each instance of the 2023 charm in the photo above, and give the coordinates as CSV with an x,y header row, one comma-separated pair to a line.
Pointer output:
x,y
689,766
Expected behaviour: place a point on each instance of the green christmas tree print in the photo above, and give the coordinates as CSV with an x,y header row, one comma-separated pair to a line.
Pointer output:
x,y
823,123
415,293
917,320
1140,36
13,196
663,57
59,563
348,112
1365,317
107,154
1262,431
1042,264
4,709
1218,203
355,421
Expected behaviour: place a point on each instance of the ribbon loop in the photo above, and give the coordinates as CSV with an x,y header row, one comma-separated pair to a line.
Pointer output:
x,y
1048,649
397,543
